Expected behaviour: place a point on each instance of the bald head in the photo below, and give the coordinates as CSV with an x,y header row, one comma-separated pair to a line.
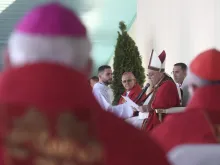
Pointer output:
x,y
128,80
128,74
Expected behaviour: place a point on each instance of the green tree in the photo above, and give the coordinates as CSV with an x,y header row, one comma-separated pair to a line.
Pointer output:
x,y
126,59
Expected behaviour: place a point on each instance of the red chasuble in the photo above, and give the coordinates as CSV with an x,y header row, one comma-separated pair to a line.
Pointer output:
x,y
200,122
49,116
164,96
133,94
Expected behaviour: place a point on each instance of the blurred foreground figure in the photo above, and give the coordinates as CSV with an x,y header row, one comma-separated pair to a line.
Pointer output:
x,y
48,113
200,123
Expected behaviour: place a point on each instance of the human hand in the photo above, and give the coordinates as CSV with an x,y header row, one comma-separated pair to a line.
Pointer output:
x,y
143,108
134,109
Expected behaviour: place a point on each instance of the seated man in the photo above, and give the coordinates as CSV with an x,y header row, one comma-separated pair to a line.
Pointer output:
x,y
200,122
104,95
132,88
179,74
163,95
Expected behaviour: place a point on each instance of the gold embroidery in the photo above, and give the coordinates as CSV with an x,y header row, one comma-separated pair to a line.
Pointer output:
x,y
91,153
31,127
43,161
69,126
18,153
69,163
71,141
59,148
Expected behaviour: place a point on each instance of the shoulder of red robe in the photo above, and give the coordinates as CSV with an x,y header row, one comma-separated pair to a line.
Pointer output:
x,y
168,83
136,89
176,130
59,95
157,62
166,96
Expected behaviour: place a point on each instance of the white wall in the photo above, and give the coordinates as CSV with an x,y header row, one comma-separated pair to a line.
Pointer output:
x,y
182,27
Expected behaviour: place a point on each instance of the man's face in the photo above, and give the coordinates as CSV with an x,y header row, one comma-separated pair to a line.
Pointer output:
x,y
154,76
128,81
179,74
106,76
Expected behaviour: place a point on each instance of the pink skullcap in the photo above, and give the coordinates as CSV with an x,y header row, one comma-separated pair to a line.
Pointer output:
x,y
52,19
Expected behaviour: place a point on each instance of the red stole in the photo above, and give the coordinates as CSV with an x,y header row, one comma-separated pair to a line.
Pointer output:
x,y
152,120
164,96
133,94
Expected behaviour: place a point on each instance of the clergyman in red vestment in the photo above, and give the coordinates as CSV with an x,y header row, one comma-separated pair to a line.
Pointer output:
x,y
163,95
200,122
48,112
132,88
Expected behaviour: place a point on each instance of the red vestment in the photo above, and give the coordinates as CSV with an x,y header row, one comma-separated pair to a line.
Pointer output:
x,y
196,124
50,111
164,96
133,94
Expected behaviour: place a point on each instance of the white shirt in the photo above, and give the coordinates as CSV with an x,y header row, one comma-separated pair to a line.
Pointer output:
x,y
178,86
104,96
100,89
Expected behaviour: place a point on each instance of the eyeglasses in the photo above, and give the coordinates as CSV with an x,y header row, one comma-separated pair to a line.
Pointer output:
x,y
150,75
129,80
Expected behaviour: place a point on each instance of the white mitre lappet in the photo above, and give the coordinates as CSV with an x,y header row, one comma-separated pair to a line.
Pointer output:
x,y
50,33
157,62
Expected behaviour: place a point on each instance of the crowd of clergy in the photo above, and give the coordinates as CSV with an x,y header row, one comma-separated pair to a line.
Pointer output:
x,y
50,116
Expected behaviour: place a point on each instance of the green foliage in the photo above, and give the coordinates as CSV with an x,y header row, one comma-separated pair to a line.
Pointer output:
x,y
126,59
